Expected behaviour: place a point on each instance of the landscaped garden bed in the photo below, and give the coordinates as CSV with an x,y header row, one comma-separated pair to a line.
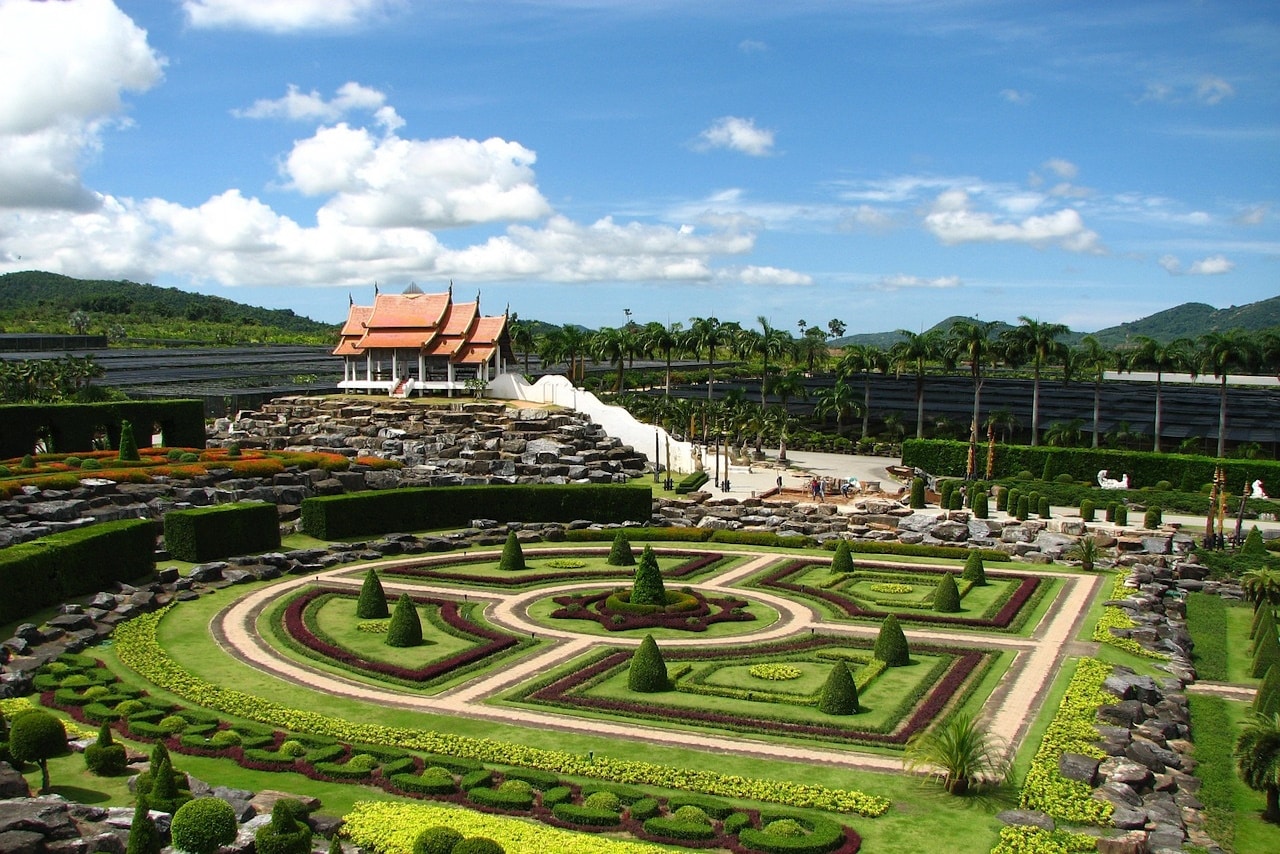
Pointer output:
x,y
542,569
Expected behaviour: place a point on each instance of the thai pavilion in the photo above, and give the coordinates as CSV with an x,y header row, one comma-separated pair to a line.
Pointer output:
x,y
421,342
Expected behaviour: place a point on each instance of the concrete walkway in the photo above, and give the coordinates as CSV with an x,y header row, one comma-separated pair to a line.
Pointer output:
x,y
1009,710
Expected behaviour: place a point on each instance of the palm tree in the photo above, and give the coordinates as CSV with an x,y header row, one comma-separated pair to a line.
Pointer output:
x,y
1003,420
912,353
1153,355
1037,342
1092,359
788,385
812,348
779,422
1261,585
863,359
611,343
960,752
522,339
970,341
1257,756
706,333
838,400
770,342
664,340
1224,353
1065,434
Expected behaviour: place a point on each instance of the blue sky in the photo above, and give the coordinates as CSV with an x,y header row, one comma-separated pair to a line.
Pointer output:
x,y
886,162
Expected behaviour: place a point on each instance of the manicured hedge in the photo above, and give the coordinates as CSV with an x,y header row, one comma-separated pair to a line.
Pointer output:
x,y
54,569
71,426
414,509
210,533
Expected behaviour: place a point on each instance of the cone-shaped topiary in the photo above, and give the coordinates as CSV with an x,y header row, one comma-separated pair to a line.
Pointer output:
x,y
946,596
1047,473
1266,652
285,834
840,693
843,560
1267,700
144,836
1253,544
974,570
648,673
891,644
128,445
1264,621
917,493
648,588
335,847
163,787
105,758
203,826
405,628
512,555
620,552
372,604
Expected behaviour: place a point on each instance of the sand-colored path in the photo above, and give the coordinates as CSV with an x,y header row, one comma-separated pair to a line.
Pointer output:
x,y
1009,709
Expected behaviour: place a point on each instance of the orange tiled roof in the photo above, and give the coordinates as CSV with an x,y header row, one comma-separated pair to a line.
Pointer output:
x,y
431,323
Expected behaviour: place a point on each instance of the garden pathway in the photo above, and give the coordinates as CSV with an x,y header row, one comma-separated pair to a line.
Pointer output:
x,y
1010,709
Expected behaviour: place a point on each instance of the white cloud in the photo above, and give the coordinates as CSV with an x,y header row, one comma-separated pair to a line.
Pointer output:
x,y
1214,265
902,281
737,134
866,217
311,106
752,46
1255,215
65,67
283,16
390,182
772,276
1016,96
952,220
1213,90
1064,169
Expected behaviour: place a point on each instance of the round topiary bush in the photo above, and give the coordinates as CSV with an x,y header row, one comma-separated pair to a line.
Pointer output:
x,y
286,834
172,723
37,736
478,845
1065,477
788,827
840,693
204,825
843,559
405,629
225,738
124,708
72,462
516,787
512,555
620,552
974,570
293,748
105,758
372,604
436,840
690,814
90,465
362,762
648,672
1152,518
891,644
946,596
602,801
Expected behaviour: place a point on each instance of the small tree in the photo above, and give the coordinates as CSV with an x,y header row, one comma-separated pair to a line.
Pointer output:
x,y
512,555
285,834
161,783
917,493
128,445
840,693
105,758
37,736
891,644
372,604
620,552
1257,756
1002,499
1024,508
1253,544
144,837
980,505
648,588
1087,510
406,627
946,596
1043,509
203,826
1122,514
335,847
1267,700
648,673
1087,551
960,752
974,569
1153,518
945,488
843,560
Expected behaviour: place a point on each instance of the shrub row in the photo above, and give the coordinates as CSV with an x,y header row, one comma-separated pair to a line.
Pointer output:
x,y
71,426
384,511
210,533
57,568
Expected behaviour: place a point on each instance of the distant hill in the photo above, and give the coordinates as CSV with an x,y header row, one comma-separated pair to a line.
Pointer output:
x,y
1189,320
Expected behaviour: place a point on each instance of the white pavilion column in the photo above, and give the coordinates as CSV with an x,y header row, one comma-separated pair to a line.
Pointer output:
x,y
368,366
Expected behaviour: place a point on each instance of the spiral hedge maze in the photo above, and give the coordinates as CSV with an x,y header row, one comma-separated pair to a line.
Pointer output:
x,y
751,643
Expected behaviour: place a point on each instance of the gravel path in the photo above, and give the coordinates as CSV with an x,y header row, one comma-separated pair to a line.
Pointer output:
x,y
1010,708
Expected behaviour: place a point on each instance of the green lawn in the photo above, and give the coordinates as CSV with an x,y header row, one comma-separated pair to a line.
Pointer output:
x,y
1234,809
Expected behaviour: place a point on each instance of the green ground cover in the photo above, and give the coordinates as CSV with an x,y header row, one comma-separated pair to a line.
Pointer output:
x,y
1234,810
540,611
541,571
1239,646
1207,623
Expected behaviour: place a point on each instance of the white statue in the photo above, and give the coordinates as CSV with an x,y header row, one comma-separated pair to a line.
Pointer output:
x,y
1258,491
1105,482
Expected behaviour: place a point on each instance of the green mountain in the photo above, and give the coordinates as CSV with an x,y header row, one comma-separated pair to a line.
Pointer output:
x,y
34,301
1189,320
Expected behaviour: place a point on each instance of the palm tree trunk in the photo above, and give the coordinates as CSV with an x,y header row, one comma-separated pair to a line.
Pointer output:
x,y
668,373
1159,407
1035,408
1097,409
866,406
919,406
711,369
1272,812
1222,418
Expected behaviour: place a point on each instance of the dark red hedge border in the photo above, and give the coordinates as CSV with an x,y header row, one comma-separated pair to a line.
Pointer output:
x,y
850,608
559,693
591,606
493,643
526,579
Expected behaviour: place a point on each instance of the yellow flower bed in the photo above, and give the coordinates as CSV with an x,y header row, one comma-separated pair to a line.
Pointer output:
x,y
1117,618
